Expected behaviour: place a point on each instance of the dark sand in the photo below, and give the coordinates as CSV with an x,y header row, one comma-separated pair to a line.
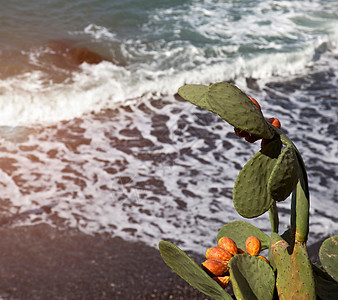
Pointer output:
x,y
41,262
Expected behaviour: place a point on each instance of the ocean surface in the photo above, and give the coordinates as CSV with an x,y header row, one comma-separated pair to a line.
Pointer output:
x,y
94,137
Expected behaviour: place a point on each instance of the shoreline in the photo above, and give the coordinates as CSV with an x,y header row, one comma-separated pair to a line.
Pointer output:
x,y
42,262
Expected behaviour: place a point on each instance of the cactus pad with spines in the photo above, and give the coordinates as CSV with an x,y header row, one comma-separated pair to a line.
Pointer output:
x,y
284,177
250,196
231,104
185,267
239,231
295,278
251,277
328,255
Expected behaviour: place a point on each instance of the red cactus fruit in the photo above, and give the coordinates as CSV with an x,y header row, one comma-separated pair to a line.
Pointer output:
x,y
215,267
253,245
275,122
255,102
218,253
223,281
228,244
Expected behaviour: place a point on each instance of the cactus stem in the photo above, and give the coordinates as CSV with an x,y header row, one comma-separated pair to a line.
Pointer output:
x,y
273,214
301,203
302,214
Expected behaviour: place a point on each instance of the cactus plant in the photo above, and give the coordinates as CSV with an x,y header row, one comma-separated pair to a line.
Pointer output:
x,y
275,172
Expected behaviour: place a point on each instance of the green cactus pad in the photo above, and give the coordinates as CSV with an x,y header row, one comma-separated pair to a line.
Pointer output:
x,y
295,279
196,94
231,104
239,231
251,277
328,255
250,195
284,177
186,268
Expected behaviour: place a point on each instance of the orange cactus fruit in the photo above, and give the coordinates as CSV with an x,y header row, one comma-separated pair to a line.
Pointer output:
x,y
228,244
275,122
240,251
262,257
255,102
218,253
223,281
215,267
253,245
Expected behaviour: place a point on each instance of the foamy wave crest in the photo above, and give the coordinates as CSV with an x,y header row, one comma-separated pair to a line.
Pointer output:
x,y
96,32
28,98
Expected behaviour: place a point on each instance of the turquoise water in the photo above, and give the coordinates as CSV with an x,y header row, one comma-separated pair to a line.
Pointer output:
x,y
156,46
102,144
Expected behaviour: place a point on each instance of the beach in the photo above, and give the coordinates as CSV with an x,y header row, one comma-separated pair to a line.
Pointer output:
x,y
42,262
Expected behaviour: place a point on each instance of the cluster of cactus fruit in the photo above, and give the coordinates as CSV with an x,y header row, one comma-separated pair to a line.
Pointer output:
x,y
217,263
275,172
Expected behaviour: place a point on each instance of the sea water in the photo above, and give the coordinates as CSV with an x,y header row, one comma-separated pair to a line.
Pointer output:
x,y
106,147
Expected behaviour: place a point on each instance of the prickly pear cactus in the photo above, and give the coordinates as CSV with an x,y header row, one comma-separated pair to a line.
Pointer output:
x,y
275,172
328,255
251,277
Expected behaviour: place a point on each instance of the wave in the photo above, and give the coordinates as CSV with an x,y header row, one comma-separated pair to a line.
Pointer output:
x,y
32,97
190,42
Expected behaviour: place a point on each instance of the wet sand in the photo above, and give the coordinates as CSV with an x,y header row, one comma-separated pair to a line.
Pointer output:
x,y
41,262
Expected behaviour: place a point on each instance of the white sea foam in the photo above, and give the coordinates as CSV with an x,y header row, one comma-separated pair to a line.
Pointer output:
x,y
28,98
96,32
99,187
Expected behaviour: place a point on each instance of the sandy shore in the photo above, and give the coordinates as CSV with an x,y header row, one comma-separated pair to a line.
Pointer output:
x,y
41,262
